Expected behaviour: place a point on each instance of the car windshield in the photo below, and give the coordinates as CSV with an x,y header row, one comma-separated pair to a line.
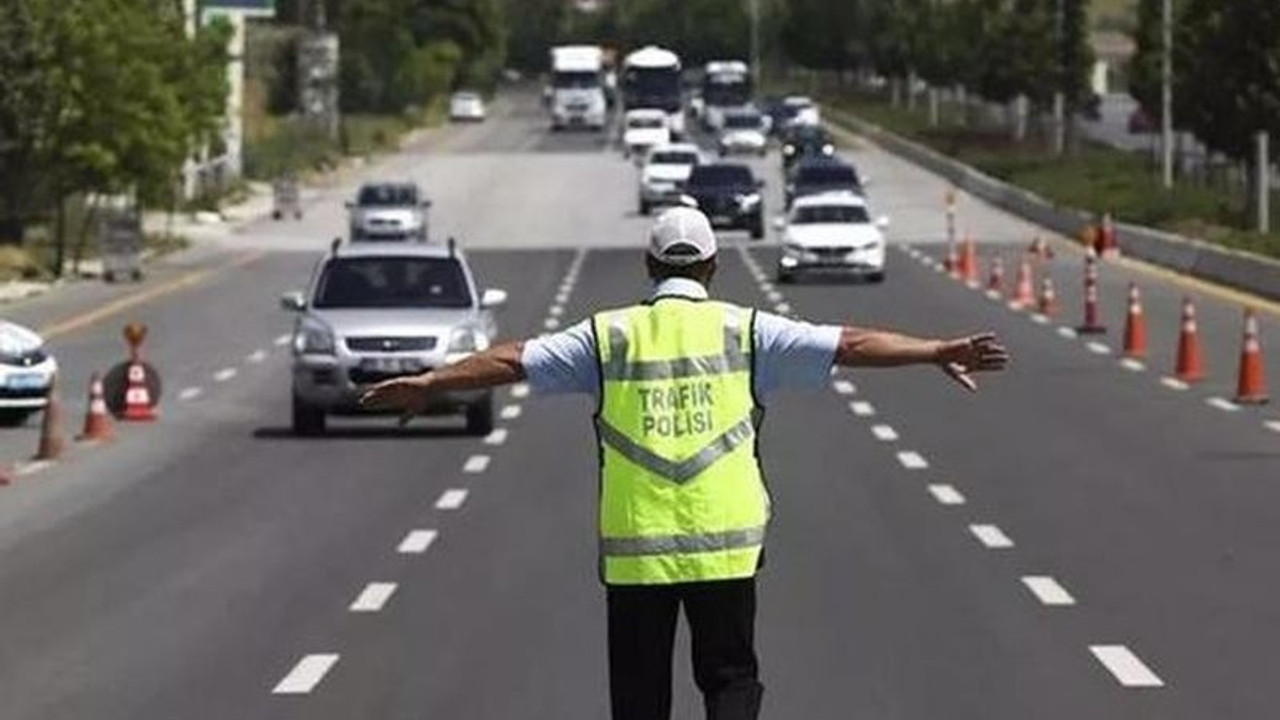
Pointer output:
x,y
387,196
575,79
827,175
657,88
742,121
673,158
721,176
806,134
392,282
644,123
814,214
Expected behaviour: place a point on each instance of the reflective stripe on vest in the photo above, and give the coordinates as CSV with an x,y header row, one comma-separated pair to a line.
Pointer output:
x,y
682,497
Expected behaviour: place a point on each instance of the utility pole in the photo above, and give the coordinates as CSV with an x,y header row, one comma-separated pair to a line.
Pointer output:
x,y
1263,169
1166,95
754,11
1059,96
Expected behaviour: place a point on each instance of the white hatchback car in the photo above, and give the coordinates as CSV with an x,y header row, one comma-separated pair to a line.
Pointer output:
x,y
832,233
666,169
26,373
465,106
643,129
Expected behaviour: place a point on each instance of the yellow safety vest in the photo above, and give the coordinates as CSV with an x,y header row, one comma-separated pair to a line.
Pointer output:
x,y
682,495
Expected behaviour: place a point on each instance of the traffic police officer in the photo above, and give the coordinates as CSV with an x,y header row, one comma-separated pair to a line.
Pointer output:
x,y
683,505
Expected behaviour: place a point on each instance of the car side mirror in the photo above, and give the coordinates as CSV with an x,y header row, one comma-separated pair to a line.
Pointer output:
x,y
293,301
779,223
425,203
492,298
348,204
882,222
688,201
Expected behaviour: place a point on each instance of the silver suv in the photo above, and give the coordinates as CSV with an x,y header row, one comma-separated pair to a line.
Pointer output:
x,y
388,211
375,311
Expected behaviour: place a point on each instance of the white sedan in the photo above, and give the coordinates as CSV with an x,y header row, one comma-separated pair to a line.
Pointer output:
x,y
744,130
465,106
26,373
643,129
665,171
832,233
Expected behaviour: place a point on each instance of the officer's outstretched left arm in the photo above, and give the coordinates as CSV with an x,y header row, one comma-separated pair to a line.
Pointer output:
x,y
499,365
959,358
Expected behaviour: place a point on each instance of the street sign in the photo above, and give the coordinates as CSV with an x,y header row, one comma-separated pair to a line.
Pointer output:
x,y
248,8
120,241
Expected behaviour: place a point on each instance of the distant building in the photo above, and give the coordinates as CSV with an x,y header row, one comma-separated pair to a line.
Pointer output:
x,y
1112,52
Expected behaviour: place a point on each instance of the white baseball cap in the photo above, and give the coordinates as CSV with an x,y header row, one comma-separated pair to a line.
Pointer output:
x,y
682,236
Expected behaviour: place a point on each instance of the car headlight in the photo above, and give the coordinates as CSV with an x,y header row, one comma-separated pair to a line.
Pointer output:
x,y
788,149
749,200
467,340
313,338
828,149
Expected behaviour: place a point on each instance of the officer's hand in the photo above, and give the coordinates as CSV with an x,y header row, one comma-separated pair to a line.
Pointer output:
x,y
962,357
409,395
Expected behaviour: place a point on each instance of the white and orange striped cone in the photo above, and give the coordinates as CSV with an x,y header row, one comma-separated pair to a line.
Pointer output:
x,y
1190,364
1251,385
1135,326
995,280
1092,324
1024,293
1048,302
97,422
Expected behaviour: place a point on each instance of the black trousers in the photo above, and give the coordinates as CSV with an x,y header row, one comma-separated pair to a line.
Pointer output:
x,y
642,629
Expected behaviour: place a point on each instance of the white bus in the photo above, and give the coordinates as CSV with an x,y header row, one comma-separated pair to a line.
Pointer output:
x,y
726,85
576,94
651,80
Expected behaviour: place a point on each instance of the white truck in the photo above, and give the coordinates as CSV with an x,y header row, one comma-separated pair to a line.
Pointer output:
x,y
726,85
651,80
577,96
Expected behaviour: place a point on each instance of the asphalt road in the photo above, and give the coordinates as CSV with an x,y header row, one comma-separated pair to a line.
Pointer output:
x,y
934,554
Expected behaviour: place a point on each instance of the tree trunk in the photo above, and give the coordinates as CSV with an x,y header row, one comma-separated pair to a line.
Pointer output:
x,y
60,235
962,99
895,92
82,240
934,115
911,90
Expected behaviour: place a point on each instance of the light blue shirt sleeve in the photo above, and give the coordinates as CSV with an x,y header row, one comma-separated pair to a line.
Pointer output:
x,y
562,362
791,354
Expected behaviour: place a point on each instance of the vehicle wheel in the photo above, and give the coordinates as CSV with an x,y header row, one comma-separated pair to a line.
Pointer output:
x,y
308,420
480,417
644,208
876,278
276,215
757,229
786,278
15,418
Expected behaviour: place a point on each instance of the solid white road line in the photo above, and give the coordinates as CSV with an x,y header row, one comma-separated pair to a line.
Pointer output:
x,y
373,597
1126,667
912,460
1173,383
1068,333
1272,425
1222,404
257,356
497,437
416,542
190,393
476,464
1098,348
946,494
551,323
991,536
509,412
1047,590
862,409
304,676
1132,365
520,390
884,433
282,340
451,499
225,374
843,387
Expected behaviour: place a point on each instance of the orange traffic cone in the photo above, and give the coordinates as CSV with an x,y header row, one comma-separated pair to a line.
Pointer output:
x,y
969,262
1048,304
1024,293
952,261
1190,365
1135,326
1251,389
1092,325
137,396
97,426
51,427
995,281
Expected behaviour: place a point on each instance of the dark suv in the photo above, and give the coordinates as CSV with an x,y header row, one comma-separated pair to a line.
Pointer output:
x,y
819,175
730,196
805,141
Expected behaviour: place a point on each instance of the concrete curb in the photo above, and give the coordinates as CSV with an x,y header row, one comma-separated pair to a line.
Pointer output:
x,y
1245,271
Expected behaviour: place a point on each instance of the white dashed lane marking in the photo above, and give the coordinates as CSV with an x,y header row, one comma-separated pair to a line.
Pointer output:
x,y
1222,404
843,387
32,467
862,409
1273,425
308,673
1125,667
782,308
257,356
912,460
1047,590
451,499
946,494
1132,365
497,437
556,310
991,536
884,433
774,296
282,340
1040,319
1098,348
416,542
520,390
1068,333
476,464
190,393
1173,383
225,374
509,412
551,323
374,596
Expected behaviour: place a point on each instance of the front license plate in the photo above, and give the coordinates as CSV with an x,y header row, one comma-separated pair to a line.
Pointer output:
x,y
721,219
25,381
391,365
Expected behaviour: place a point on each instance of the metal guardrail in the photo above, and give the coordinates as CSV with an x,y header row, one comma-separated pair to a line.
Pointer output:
x,y
1242,270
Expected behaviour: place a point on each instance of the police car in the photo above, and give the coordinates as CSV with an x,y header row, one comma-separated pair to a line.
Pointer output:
x,y
26,373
